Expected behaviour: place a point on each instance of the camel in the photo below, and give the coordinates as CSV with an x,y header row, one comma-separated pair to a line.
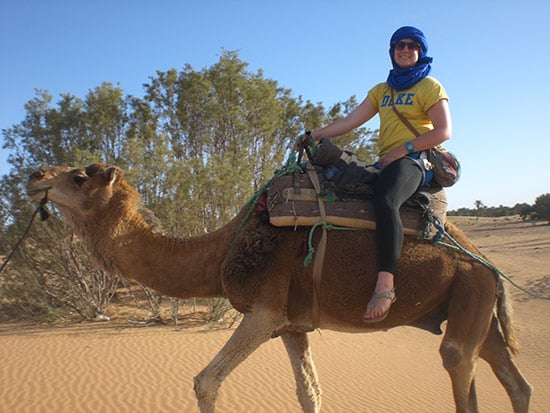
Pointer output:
x,y
260,269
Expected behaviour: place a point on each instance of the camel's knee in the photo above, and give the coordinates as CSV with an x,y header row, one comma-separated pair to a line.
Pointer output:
x,y
451,353
521,398
206,390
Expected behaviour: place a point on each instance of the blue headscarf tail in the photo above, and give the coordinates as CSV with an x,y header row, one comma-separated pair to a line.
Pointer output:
x,y
400,79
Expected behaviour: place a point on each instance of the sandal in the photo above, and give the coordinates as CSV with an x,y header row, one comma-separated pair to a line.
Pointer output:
x,y
390,295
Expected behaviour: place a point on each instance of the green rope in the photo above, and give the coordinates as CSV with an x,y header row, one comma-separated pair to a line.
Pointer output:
x,y
456,246
328,227
290,167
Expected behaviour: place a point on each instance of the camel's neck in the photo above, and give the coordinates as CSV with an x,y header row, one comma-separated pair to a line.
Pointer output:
x,y
176,267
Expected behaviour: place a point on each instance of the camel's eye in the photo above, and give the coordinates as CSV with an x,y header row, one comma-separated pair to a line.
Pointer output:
x,y
79,180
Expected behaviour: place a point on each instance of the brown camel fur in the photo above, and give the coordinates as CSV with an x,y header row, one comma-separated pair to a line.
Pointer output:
x,y
260,269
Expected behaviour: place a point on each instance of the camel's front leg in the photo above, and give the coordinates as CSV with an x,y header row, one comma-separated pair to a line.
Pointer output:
x,y
255,329
307,383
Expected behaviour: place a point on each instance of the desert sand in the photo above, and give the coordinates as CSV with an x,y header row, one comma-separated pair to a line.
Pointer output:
x,y
114,367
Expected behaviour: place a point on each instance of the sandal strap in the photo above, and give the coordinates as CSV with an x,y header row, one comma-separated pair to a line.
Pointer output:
x,y
388,294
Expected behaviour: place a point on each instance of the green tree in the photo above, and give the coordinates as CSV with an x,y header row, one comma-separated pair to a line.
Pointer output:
x,y
524,210
480,208
106,124
542,207
227,129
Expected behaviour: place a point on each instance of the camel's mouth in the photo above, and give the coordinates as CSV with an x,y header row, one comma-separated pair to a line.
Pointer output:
x,y
36,188
37,193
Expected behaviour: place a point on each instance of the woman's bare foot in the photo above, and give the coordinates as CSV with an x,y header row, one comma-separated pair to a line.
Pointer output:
x,y
382,299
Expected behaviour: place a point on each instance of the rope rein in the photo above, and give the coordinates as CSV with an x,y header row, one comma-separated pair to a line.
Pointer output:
x,y
44,215
441,234
291,166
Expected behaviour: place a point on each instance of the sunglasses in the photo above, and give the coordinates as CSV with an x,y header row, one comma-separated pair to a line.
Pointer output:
x,y
411,45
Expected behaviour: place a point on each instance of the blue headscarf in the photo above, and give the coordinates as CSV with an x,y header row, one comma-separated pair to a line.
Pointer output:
x,y
400,79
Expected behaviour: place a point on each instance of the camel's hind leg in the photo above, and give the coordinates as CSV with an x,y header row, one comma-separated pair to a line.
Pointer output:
x,y
470,311
255,329
307,384
496,353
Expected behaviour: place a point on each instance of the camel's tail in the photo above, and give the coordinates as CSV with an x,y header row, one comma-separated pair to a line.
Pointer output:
x,y
504,315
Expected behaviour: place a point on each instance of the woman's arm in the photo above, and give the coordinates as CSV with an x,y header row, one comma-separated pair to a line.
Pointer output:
x,y
440,116
365,111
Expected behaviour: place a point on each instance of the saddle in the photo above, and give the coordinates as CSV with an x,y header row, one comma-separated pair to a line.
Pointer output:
x,y
293,201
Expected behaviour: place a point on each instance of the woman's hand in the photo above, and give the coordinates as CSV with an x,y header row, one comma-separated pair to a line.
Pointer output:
x,y
393,155
303,139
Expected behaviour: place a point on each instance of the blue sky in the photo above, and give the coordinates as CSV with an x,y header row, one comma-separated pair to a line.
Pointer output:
x,y
492,57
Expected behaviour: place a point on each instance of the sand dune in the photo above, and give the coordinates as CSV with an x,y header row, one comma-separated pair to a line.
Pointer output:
x,y
110,367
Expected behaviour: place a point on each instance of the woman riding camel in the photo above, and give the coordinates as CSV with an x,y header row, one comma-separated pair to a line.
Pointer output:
x,y
422,100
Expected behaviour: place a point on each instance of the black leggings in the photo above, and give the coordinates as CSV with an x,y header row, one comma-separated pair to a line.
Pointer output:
x,y
396,183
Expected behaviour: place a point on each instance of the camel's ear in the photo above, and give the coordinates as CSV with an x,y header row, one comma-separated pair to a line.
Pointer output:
x,y
93,169
111,173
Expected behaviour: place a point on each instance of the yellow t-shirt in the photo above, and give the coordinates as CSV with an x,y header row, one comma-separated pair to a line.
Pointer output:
x,y
412,103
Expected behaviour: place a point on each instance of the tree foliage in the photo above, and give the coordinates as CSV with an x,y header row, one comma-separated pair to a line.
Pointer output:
x,y
196,145
542,207
524,210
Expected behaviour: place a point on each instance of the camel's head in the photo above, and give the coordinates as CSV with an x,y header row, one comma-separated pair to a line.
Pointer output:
x,y
79,191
